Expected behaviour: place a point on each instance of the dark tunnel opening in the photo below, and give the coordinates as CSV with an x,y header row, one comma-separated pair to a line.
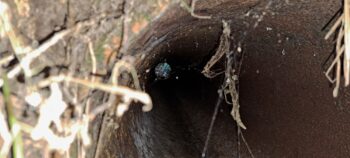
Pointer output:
x,y
185,105
286,101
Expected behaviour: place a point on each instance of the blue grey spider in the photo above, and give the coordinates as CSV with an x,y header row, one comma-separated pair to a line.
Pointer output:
x,y
162,71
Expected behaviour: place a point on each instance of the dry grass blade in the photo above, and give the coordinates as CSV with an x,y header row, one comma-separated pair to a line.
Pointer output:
x,y
93,58
347,41
338,69
342,49
17,146
5,135
334,27
6,25
27,59
330,68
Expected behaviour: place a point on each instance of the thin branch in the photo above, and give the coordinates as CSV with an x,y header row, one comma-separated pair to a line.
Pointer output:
x,y
119,90
28,58
11,74
130,68
7,59
193,6
191,9
334,27
93,58
338,69
16,39
337,58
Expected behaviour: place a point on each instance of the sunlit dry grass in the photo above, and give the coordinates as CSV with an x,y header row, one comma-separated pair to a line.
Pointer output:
x,y
342,58
52,108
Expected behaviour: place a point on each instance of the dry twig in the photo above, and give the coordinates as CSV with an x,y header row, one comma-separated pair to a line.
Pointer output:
x,y
16,39
193,6
191,9
30,54
7,59
118,90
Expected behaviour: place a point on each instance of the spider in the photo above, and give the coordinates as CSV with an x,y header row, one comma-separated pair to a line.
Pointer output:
x,y
162,71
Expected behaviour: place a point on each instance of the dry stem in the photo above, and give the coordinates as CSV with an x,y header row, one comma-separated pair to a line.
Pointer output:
x,y
119,90
342,48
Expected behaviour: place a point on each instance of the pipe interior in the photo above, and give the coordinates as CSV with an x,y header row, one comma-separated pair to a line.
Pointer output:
x,y
286,101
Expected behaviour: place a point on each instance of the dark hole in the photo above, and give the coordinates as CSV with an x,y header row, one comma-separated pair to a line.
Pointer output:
x,y
183,108
285,99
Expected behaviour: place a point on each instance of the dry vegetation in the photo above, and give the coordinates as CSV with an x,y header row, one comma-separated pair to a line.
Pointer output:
x,y
342,27
51,127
